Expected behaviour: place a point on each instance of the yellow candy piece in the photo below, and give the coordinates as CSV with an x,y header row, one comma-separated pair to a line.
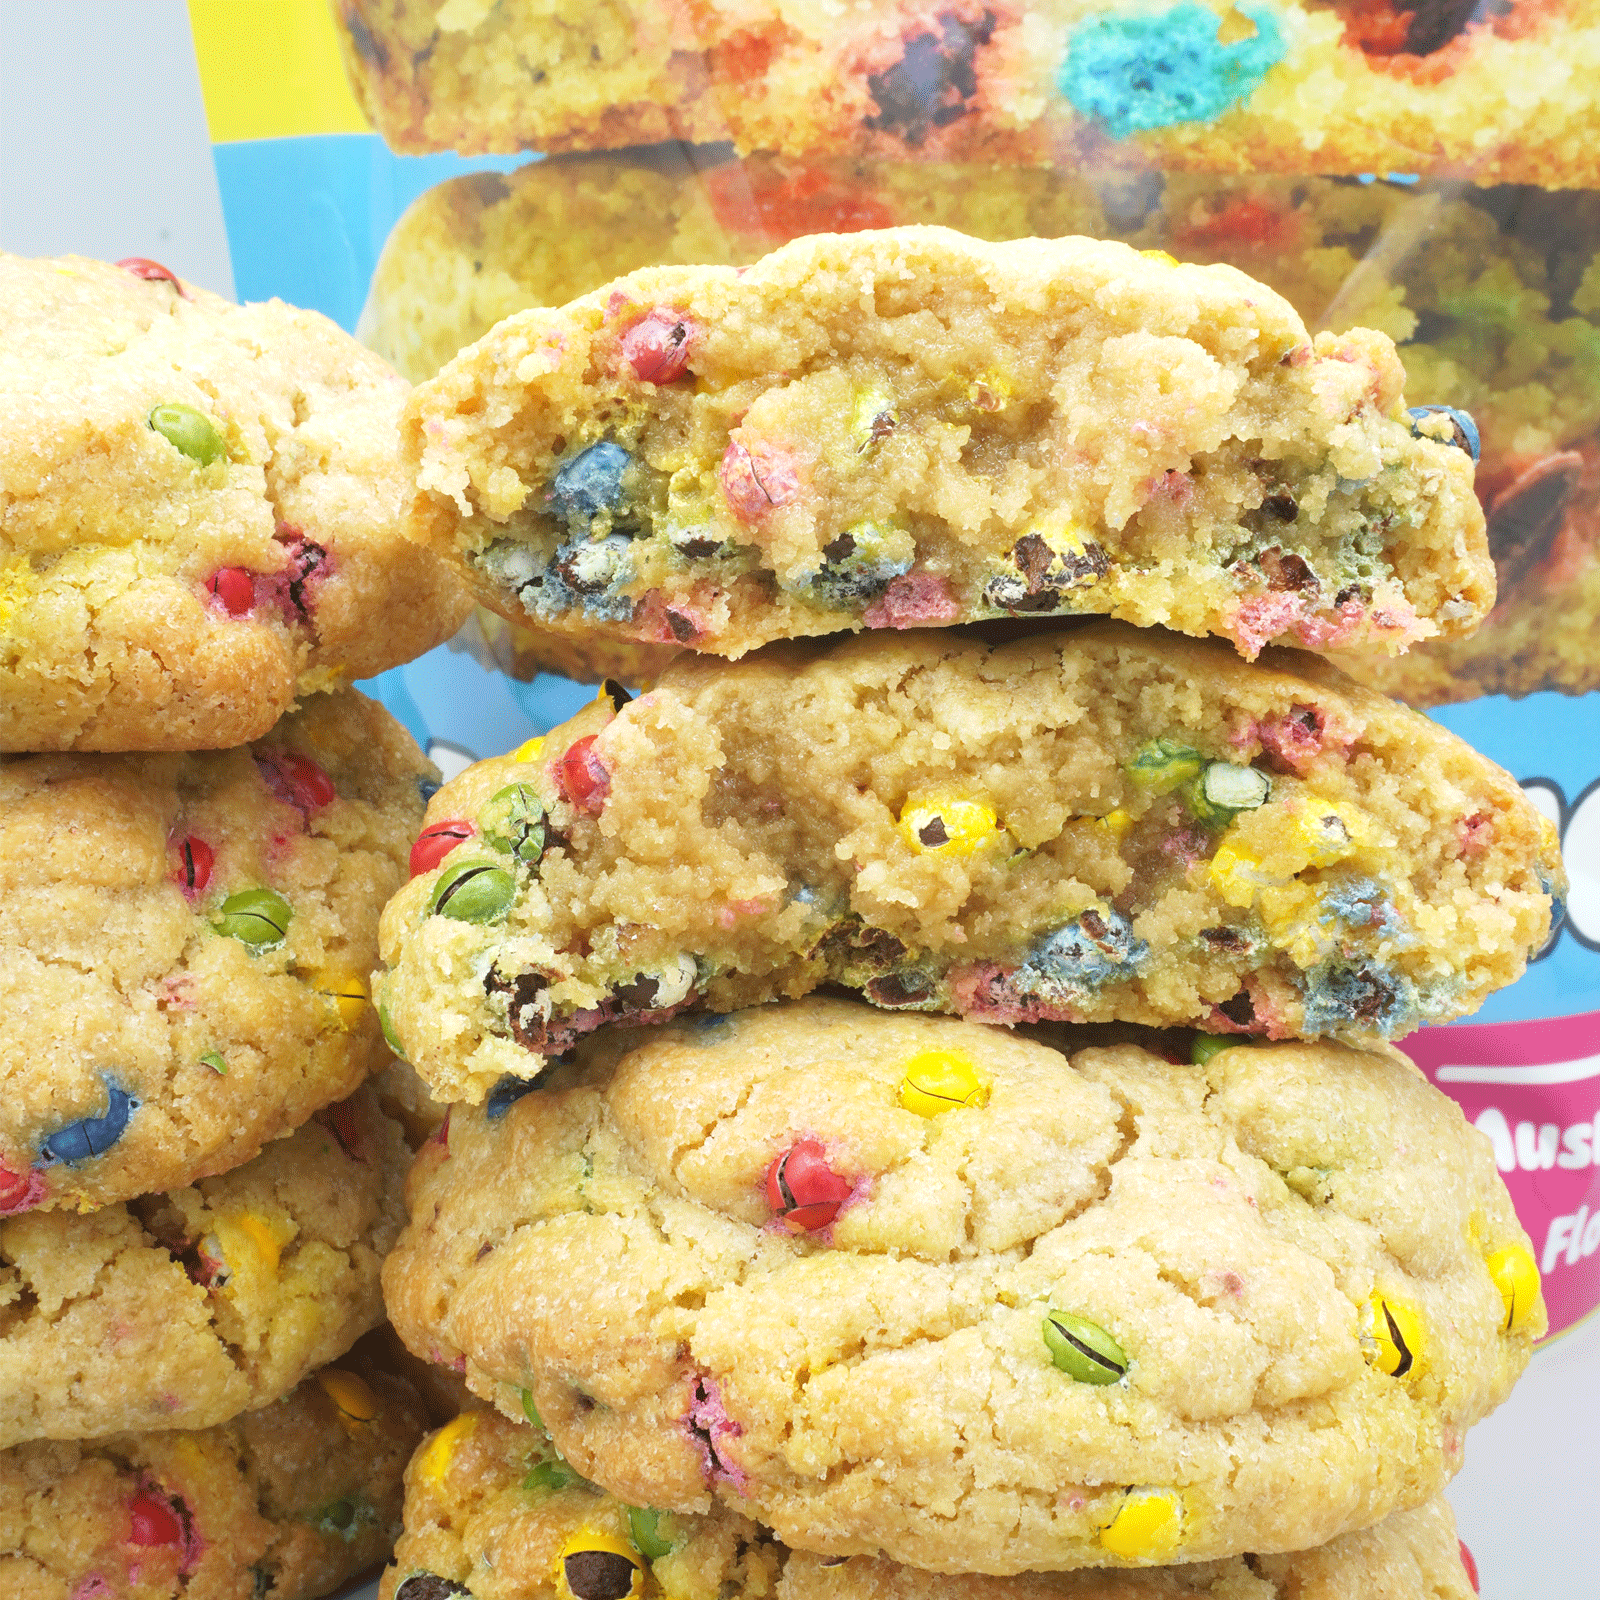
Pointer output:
x,y
1516,1276
1237,874
1147,1526
1117,823
345,989
529,749
940,1080
353,1397
1329,830
1391,1337
591,1567
434,1459
1162,256
946,825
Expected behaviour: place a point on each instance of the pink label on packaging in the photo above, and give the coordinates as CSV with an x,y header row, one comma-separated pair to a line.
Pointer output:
x,y
1534,1088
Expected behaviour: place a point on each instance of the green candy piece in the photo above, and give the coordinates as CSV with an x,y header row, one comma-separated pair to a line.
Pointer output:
x,y
530,1413
257,918
549,1476
1083,1349
648,1539
512,819
346,1518
191,431
474,891
214,1060
1224,790
1207,1045
1163,764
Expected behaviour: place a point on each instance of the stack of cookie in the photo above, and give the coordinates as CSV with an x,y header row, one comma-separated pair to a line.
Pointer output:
x,y
199,525
1176,1263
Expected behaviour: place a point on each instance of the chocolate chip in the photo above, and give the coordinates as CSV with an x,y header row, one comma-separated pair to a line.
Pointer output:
x,y
1525,517
932,83
1225,939
1240,1010
840,549
900,989
1434,23
599,1574
1282,505
639,992
429,1586
683,628
1284,569
934,833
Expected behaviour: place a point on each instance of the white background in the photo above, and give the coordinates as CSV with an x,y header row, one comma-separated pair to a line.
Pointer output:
x,y
104,152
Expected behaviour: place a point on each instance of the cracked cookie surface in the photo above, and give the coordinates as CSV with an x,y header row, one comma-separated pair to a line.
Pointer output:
x,y
904,1285
185,944
1107,823
491,1506
181,1310
909,427
201,512
290,1500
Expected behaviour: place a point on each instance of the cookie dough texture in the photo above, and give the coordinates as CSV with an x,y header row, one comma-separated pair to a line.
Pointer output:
x,y
183,1309
1011,833
158,596
881,1384
471,1520
1269,86
291,1500
150,1034
909,427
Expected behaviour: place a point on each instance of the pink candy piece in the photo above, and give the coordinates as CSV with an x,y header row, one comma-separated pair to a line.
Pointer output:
x,y
1295,739
195,859
584,778
235,588
711,1425
1475,833
152,272
657,347
296,780
757,481
912,601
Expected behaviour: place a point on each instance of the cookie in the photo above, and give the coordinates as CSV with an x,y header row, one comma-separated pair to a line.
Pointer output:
x,y
975,1301
200,513
910,427
493,1511
1106,824
1492,297
181,1310
1492,97
290,1500
523,651
185,944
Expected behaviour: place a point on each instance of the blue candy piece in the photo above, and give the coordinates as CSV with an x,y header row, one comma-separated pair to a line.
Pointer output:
x,y
90,1136
1371,997
505,1094
1466,430
427,788
591,482
1162,67
1097,948
1363,903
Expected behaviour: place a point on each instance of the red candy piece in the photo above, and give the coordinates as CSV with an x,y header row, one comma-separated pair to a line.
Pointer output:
x,y
756,482
235,587
803,1189
1470,1565
14,1189
583,777
194,865
153,1520
153,271
657,347
297,780
435,843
